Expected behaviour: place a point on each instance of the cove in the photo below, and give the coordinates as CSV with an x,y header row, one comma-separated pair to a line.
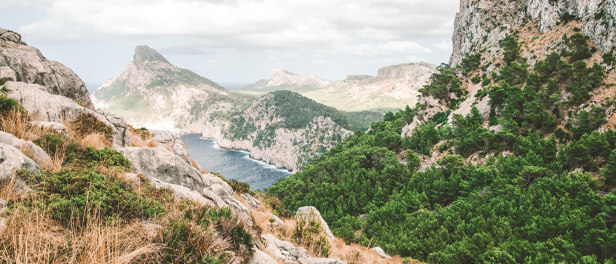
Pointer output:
x,y
232,164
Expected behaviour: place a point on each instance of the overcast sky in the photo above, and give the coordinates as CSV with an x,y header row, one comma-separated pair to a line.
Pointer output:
x,y
236,41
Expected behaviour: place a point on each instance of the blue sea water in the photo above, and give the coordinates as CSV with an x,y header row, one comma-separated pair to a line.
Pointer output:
x,y
232,164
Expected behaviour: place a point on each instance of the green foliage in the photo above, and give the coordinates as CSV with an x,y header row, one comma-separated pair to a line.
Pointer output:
x,y
476,79
107,157
608,58
511,49
74,195
54,145
238,187
579,44
87,124
23,42
309,233
9,104
470,63
443,83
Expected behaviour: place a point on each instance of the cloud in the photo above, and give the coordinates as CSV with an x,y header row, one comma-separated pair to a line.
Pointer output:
x,y
323,26
184,50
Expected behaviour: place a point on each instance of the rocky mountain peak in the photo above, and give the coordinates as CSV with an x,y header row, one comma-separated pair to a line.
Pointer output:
x,y
144,54
405,70
284,77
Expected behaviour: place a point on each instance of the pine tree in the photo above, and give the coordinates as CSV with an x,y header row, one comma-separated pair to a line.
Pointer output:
x,y
610,170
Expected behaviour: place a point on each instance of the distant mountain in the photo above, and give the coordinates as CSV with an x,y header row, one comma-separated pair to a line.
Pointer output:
x,y
155,94
393,88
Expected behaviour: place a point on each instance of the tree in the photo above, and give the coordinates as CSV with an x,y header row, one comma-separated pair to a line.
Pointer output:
x,y
610,170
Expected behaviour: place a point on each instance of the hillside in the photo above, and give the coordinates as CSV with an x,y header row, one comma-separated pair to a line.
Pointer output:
x,y
510,156
79,185
394,88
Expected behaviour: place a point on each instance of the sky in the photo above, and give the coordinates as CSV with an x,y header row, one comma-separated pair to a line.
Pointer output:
x,y
236,42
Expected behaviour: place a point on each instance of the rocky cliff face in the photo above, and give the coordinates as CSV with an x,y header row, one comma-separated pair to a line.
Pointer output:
x,y
155,94
284,77
262,134
22,63
481,24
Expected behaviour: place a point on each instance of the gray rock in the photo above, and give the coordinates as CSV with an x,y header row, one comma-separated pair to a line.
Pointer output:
x,y
38,154
163,165
284,251
173,141
11,159
305,212
7,73
181,192
3,206
58,127
320,261
251,201
56,108
30,66
363,217
260,257
381,253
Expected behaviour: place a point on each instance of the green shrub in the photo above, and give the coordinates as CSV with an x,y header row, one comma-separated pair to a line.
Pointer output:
x,y
9,104
75,195
476,79
182,241
55,144
108,157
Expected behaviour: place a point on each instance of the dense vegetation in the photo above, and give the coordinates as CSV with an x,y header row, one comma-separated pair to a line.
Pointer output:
x,y
525,203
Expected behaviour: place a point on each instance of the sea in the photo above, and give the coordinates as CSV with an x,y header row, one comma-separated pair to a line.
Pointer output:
x,y
232,164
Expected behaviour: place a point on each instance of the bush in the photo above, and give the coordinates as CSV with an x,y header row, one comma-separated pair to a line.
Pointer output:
x,y
75,195
54,145
108,157
476,79
87,124
9,104
238,187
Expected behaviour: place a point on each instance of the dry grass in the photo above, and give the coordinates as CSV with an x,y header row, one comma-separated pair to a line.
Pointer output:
x,y
198,167
85,138
17,124
136,142
353,253
96,140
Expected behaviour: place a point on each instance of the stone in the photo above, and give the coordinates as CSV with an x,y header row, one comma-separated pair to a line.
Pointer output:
x,y
55,126
30,66
3,206
7,73
284,251
11,159
56,108
363,217
260,257
36,153
181,192
305,212
320,261
380,252
251,201
173,141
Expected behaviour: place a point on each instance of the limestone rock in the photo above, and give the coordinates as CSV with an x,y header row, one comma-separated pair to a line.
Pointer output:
x,y
3,206
251,201
163,165
30,66
320,261
381,253
58,127
37,154
7,73
181,192
56,108
283,77
305,212
11,159
173,141
260,257
284,251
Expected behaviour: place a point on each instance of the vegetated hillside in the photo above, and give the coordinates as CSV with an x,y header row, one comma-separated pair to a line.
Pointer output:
x,y
286,128
509,158
153,93
394,87
79,185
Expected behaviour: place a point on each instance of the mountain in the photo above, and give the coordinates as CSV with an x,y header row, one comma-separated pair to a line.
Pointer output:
x,y
394,88
153,93
509,156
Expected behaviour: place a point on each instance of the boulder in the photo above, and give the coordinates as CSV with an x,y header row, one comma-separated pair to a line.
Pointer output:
x,y
55,126
161,164
30,66
305,212
260,257
284,251
11,159
36,153
181,192
7,73
173,141
320,261
380,252
56,108
251,201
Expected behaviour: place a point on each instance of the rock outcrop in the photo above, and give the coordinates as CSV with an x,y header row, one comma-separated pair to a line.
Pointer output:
x,y
380,252
251,201
260,257
284,251
307,211
482,24
55,126
36,153
320,261
27,64
174,142
284,77
11,160
57,108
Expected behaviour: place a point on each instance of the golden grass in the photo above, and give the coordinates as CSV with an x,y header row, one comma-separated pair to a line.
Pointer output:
x,y
96,140
136,142
353,253
17,124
